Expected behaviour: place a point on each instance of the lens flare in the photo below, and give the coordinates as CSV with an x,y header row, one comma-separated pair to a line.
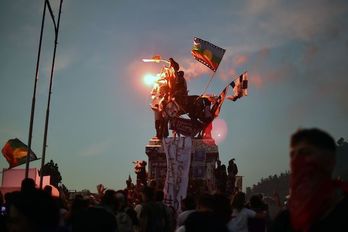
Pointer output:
x,y
219,131
149,79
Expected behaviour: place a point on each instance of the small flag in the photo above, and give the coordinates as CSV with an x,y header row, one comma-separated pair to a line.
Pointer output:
x,y
207,53
15,152
215,110
240,87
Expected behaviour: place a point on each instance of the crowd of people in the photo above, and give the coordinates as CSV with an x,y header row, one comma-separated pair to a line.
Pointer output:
x,y
317,202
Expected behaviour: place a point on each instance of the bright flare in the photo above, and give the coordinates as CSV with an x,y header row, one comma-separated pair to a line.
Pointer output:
x,y
150,79
219,131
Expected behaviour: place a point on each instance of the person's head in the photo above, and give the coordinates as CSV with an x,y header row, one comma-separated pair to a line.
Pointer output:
x,y
218,162
34,212
48,189
312,156
174,64
109,199
122,199
256,201
238,201
205,202
28,184
147,194
181,73
188,203
313,146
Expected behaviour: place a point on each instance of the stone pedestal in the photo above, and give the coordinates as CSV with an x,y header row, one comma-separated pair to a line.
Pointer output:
x,y
203,159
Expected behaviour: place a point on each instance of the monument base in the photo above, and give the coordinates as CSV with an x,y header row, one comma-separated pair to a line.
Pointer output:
x,y
203,159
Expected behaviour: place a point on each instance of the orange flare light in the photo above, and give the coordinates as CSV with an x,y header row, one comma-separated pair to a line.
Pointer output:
x,y
220,130
150,79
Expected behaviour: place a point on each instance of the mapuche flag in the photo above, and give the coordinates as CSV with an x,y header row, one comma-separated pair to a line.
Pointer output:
x,y
207,53
15,152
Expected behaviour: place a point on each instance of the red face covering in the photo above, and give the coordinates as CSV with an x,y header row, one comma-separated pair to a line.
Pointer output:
x,y
311,192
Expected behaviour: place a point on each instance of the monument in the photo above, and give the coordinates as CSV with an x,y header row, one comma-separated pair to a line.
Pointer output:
x,y
204,156
184,161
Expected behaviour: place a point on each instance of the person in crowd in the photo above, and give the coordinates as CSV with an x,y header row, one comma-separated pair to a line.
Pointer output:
x,y
222,206
257,224
205,218
3,213
188,206
63,211
78,204
241,214
152,216
34,211
274,205
170,217
95,219
126,216
48,189
109,201
28,185
317,202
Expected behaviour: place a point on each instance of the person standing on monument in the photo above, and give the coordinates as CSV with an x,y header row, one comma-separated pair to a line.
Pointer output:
x,y
232,172
180,88
172,75
220,177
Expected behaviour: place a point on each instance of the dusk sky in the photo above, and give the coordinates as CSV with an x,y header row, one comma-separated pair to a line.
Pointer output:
x,y
295,52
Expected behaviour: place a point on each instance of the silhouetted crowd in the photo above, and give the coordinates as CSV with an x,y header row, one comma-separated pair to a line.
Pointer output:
x,y
33,209
316,203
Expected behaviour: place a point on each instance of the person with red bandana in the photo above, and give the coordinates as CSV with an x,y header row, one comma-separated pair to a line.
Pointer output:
x,y
317,201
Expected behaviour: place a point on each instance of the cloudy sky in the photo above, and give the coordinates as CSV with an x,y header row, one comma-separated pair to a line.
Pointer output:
x,y
296,54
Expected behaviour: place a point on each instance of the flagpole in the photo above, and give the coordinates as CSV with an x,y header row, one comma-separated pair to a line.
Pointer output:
x,y
211,78
34,93
50,91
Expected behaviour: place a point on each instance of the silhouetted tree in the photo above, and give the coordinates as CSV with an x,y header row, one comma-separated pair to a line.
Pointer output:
x,y
51,169
273,184
341,169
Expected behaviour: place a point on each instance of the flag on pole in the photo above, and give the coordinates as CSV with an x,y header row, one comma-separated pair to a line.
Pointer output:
x,y
15,152
240,87
207,53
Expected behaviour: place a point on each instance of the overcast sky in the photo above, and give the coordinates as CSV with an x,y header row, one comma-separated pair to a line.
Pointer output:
x,y
296,54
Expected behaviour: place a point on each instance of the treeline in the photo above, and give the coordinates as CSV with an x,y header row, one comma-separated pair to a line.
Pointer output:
x,y
272,184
